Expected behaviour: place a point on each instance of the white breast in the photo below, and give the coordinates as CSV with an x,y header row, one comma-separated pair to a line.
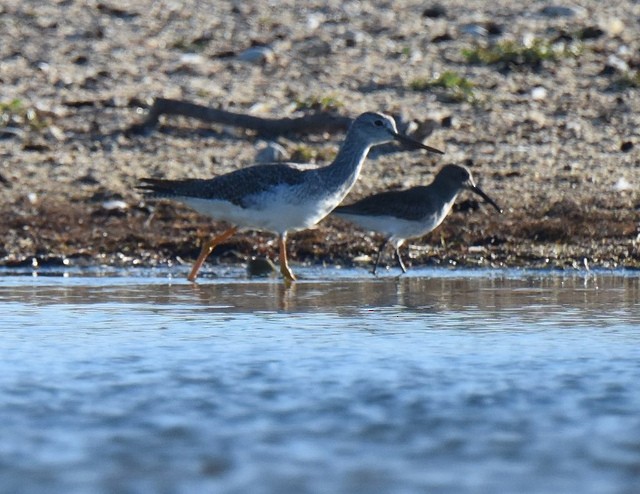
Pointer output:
x,y
279,210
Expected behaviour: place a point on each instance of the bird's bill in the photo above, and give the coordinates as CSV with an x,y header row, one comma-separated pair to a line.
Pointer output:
x,y
414,144
477,190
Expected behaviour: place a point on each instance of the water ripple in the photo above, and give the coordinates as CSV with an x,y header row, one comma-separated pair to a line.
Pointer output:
x,y
436,384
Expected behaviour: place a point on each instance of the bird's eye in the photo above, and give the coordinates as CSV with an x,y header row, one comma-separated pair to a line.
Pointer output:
x,y
378,123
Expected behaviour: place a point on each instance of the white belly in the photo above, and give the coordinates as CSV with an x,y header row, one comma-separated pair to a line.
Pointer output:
x,y
274,214
397,229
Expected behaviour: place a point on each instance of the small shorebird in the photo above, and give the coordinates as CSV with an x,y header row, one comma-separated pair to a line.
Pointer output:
x,y
404,214
280,197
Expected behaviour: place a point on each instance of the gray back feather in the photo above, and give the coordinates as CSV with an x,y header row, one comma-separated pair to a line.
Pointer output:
x,y
236,187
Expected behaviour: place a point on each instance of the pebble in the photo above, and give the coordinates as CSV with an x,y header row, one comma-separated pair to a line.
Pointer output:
x,y
314,47
434,11
590,32
257,55
474,30
315,20
607,70
8,132
441,38
624,51
272,152
494,29
482,30
617,63
353,38
622,184
4,181
87,179
261,267
538,93
447,122
613,26
114,204
537,117
563,11
191,58
57,133
626,146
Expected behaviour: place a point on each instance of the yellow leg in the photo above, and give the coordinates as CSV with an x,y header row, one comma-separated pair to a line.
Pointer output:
x,y
284,264
207,248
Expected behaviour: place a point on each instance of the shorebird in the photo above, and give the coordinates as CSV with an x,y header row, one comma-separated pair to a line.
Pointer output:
x,y
280,197
405,214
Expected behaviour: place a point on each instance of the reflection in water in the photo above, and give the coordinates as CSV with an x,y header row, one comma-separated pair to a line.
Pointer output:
x,y
492,294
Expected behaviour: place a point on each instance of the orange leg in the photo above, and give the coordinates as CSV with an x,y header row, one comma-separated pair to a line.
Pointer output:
x,y
284,264
207,248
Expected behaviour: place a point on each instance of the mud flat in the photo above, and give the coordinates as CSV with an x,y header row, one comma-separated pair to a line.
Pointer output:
x,y
541,104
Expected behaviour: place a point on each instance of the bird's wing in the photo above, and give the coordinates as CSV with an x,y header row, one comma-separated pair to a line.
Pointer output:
x,y
406,204
236,187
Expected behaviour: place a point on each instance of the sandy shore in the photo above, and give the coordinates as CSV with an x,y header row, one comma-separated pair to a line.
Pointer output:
x,y
554,141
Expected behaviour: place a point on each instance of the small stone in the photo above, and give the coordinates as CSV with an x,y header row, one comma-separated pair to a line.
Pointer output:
x,y
87,179
442,38
537,117
80,60
257,55
494,29
607,70
50,261
57,133
314,47
590,32
114,204
435,11
362,259
191,58
272,152
36,145
474,30
353,38
622,184
562,11
624,51
626,146
261,267
538,93
10,132
4,181
613,26
315,20
617,63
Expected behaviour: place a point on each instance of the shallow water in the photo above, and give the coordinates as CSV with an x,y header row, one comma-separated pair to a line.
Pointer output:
x,y
440,381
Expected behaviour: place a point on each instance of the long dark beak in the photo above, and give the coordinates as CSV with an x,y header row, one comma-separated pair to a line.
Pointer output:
x,y
477,190
407,141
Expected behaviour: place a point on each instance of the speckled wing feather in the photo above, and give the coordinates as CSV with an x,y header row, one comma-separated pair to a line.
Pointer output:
x,y
235,187
406,204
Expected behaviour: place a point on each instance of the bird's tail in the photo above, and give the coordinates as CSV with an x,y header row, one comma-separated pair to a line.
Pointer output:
x,y
159,188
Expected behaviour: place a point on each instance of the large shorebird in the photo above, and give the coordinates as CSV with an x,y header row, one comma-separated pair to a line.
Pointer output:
x,y
281,197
